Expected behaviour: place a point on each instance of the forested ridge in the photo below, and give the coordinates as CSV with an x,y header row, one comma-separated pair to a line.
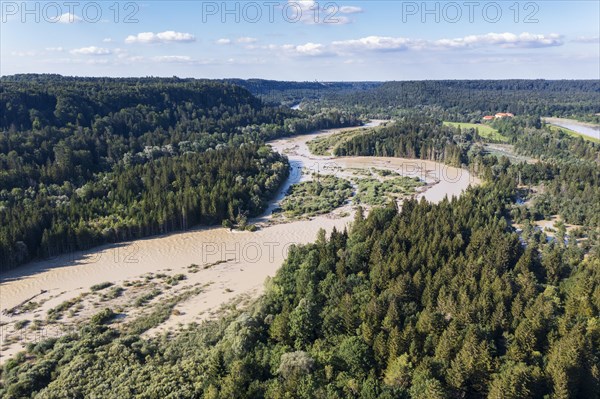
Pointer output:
x,y
470,100
85,161
292,93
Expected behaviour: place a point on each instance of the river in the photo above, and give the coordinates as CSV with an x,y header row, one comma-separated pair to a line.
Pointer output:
x,y
248,257
587,129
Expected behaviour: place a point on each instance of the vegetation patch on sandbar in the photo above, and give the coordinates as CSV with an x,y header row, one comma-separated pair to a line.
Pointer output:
x,y
319,196
376,192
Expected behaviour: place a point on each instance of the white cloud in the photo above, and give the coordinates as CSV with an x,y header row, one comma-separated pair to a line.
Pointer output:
x,y
504,40
311,49
92,50
77,61
56,49
107,40
308,49
491,40
310,12
246,40
161,37
246,61
380,43
354,61
350,10
182,59
303,4
68,18
122,53
173,58
97,62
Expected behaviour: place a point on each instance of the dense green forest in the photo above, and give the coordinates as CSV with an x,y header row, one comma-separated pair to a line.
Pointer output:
x,y
441,300
437,301
433,301
274,92
568,174
85,161
293,93
470,100
169,194
415,136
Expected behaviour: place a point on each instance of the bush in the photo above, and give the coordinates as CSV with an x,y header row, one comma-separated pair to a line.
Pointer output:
x,y
103,316
19,325
101,286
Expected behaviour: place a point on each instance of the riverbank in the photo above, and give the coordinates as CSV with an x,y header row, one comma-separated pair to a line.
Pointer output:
x,y
576,128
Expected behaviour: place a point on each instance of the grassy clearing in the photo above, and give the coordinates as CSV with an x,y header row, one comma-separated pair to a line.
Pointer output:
x,y
316,197
485,131
375,192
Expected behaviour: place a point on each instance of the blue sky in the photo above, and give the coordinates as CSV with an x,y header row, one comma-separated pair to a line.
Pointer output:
x,y
304,40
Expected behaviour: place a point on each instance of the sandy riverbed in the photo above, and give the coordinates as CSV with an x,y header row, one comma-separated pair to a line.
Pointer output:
x,y
248,258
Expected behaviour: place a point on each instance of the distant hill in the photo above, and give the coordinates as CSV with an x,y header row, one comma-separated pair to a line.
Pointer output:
x,y
57,101
480,97
290,93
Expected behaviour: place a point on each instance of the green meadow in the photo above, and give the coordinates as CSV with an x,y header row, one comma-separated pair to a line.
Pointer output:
x,y
485,131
